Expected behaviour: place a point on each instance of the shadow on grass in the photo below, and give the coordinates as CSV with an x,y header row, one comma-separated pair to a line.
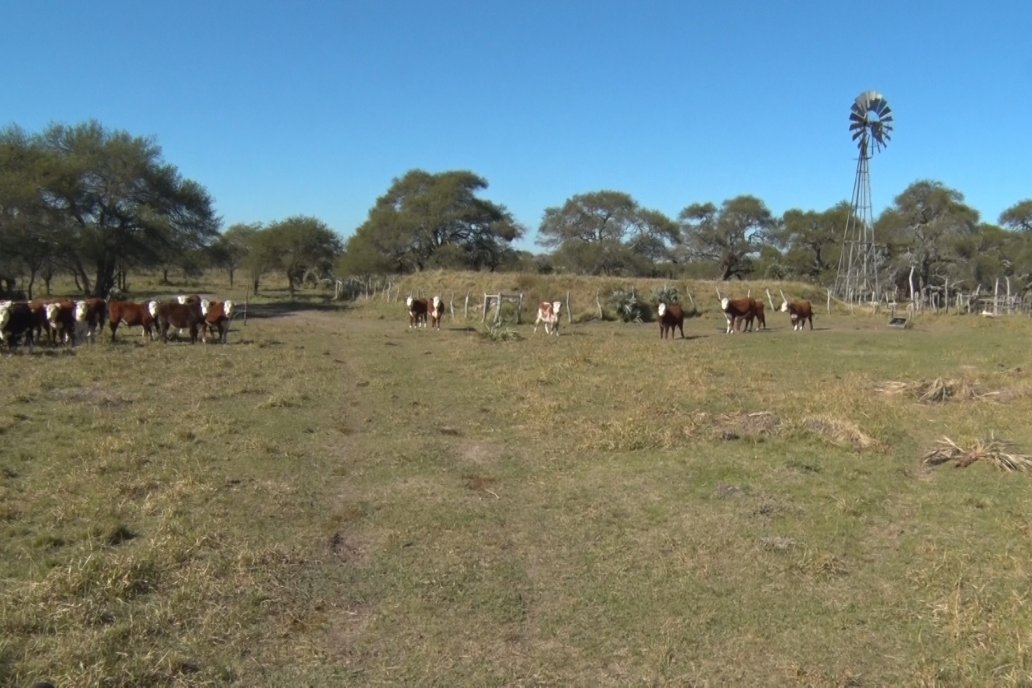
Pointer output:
x,y
279,309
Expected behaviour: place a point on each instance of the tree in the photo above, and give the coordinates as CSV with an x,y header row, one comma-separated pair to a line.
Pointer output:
x,y
1018,216
106,200
299,244
607,232
924,229
423,213
811,242
729,237
231,249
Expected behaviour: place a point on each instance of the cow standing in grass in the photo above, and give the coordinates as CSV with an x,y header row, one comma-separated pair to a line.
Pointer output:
x,y
417,309
548,313
799,312
736,310
670,317
436,312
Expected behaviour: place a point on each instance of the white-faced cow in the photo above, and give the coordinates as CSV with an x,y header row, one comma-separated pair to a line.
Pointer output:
x,y
132,315
89,317
16,323
736,310
216,317
670,318
436,312
799,311
417,309
548,313
61,321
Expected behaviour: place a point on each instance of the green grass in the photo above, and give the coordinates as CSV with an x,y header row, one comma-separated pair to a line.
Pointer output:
x,y
333,499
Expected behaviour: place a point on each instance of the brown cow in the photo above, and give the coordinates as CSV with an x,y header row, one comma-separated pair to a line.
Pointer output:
x,y
182,316
90,315
417,309
798,312
216,318
436,311
16,322
670,317
61,321
736,310
132,315
757,314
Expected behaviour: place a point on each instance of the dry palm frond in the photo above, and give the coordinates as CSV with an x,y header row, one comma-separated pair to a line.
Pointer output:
x,y
840,433
892,387
996,451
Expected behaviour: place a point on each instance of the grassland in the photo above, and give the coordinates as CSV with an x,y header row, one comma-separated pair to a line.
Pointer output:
x,y
332,499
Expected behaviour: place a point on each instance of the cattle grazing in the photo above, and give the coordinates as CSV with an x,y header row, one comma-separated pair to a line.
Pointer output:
x,y
61,321
736,310
548,313
216,317
670,317
799,311
436,312
182,316
416,312
89,316
16,322
132,315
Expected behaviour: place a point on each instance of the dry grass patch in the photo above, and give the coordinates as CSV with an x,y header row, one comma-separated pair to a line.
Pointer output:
x,y
996,452
840,433
939,390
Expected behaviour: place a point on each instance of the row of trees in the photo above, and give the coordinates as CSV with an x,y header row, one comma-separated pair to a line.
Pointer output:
x,y
96,204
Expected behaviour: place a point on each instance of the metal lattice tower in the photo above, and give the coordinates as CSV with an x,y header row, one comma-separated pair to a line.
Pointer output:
x,y
870,121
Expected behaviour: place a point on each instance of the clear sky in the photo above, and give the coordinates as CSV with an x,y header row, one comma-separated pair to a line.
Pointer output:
x,y
315,107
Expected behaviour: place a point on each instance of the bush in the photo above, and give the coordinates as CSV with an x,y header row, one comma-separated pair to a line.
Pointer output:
x,y
629,306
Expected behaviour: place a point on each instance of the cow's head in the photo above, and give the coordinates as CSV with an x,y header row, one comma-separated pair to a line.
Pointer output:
x,y
555,307
205,305
408,302
662,309
52,310
152,308
437,302
784,307
227,308
5,315
80,311
724,303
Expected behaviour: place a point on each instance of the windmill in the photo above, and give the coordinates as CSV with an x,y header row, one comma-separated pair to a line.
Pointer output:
x,y
870,122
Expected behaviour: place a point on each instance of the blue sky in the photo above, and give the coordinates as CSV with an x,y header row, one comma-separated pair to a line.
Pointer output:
x,y
314,108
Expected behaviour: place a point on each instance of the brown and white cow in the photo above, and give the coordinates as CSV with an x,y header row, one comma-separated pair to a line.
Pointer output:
x,y
757,314
799,311
89,317
216,317
182,316
132,314
736,311
61,321
417,309
548,313
670,317
16,322
436,312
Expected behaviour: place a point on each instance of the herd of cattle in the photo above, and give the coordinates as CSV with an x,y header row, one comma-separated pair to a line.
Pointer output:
x,y
740,314
72,322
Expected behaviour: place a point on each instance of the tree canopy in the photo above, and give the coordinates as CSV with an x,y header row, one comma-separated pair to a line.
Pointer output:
x,y
97,201
432,220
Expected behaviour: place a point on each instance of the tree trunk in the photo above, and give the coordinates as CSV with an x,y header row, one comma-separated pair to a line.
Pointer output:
x,y
231,278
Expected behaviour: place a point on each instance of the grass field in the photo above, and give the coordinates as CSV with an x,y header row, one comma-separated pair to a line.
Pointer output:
x,y
332,499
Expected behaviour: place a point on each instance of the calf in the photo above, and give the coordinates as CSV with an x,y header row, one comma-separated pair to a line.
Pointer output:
x,y
90,315
798,311
757,314
436,311
736,310
548,313
216,317
132,315
670,317
416,312
61,321
16,321
183,316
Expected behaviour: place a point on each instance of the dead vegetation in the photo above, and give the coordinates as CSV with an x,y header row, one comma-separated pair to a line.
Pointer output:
x,y
997,452
939,390
840,433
